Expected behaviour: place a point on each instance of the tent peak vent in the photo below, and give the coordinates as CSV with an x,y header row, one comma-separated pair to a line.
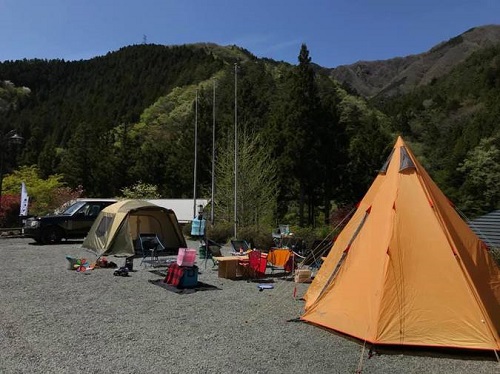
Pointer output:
x,y
405,160
384,168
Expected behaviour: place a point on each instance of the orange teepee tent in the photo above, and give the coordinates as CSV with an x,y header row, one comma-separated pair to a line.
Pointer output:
x,y
407,269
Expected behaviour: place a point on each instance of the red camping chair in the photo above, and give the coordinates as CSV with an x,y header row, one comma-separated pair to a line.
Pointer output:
x,y
255,266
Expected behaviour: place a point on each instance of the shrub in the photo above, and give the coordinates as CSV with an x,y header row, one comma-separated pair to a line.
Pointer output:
x,y
311,234
257,237
9,211
141,190
220,232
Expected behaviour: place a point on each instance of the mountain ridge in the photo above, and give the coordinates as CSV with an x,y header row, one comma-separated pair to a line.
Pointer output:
x,y
399,75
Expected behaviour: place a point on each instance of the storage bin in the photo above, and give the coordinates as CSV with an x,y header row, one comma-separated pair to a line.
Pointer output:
x,y
189,277
302,275
186,257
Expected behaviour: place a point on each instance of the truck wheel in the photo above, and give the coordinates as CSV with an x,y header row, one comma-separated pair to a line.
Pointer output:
x,y
52,235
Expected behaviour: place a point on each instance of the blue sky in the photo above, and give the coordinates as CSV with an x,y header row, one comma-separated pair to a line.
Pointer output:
x,y
336,32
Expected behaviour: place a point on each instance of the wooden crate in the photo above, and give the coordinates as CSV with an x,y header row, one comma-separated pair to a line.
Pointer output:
x,y
302,275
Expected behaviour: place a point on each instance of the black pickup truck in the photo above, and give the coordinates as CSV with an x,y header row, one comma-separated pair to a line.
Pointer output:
x,y
74,222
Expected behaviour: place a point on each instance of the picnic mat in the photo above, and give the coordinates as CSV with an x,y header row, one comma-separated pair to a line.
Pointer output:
x,y
199,287
161,273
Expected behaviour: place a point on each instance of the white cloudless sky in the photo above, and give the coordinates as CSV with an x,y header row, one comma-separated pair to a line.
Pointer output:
x,y
336,32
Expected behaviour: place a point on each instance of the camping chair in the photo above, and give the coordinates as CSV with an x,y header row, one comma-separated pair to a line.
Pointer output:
x,y
214,250
239,246
150,246
255,266
279,233
281,258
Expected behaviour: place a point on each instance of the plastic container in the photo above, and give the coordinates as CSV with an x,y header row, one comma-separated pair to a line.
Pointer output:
x,y
186,257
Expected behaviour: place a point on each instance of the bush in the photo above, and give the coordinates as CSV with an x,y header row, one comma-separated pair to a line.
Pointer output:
x,y
9,211
311,234
220,233
186,229
141,190
257,237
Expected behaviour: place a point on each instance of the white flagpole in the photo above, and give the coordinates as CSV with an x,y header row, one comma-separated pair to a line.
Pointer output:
x,y
235,150
213,157
195,171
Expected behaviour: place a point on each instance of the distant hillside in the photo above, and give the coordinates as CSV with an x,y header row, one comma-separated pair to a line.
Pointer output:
x,y
400,74
129,116
110,121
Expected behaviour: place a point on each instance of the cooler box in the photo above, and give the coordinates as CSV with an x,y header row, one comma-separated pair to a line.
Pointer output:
x,y
189,277
186,257
302,275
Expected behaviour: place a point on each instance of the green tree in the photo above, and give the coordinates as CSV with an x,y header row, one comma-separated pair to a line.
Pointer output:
x,y
11,96
299,130
46,194
141,190
332,151
368,146
89,161
481,169
257,184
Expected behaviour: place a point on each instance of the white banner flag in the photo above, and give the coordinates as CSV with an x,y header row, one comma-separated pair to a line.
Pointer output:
x,y
23,211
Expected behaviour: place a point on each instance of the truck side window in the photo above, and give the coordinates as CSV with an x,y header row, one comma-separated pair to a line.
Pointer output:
x,y
94,210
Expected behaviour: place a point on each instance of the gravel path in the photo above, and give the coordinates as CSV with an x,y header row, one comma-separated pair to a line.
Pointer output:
x,y
54,320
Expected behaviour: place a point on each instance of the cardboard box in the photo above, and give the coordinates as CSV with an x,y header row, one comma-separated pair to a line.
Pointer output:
x,y
302,275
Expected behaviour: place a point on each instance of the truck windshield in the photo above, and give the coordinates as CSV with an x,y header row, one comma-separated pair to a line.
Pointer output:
x,y
73,208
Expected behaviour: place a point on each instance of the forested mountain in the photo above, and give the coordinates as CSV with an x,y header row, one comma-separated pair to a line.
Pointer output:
x,y
304,144
454,123
111,121
400,75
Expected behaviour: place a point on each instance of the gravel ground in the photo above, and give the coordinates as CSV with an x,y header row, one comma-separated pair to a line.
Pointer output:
x,y
54,320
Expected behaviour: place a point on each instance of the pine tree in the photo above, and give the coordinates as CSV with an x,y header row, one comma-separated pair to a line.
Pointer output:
x,y
302,134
